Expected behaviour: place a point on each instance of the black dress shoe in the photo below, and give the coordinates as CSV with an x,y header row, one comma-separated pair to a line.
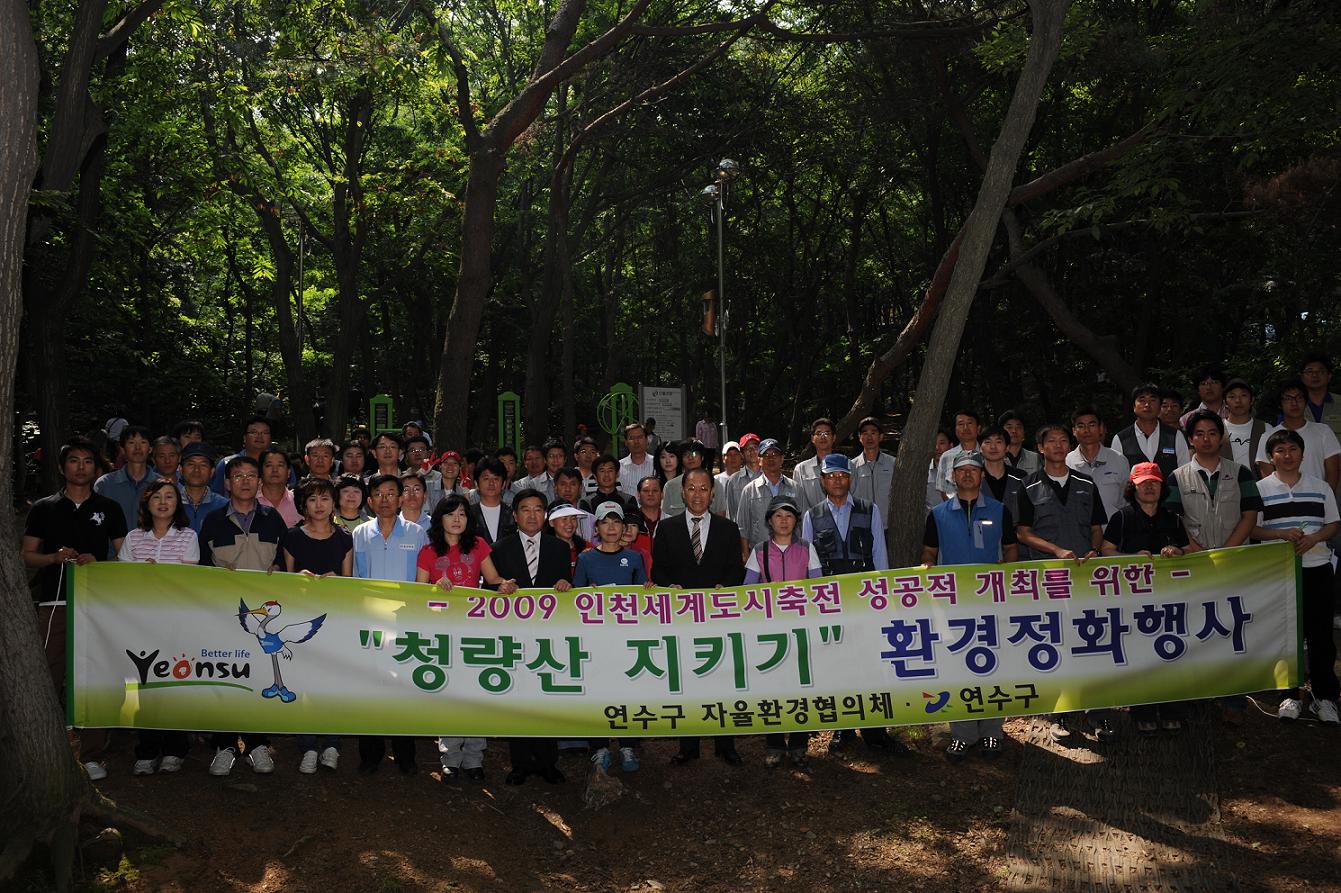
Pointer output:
x,y
369,768
515,777
475,774
552,775
731,756
451,774
876,738
837,742
682,758
407,768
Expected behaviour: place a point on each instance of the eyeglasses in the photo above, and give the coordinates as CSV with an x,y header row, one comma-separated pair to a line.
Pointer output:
x,y
244,476
1292,398
826,435
698,489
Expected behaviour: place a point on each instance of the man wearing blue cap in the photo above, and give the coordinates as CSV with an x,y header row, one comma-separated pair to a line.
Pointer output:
x,y
971,528
752,508
197,467
849,536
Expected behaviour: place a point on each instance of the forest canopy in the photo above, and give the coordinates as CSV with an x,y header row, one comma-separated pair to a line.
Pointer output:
x,y
266,195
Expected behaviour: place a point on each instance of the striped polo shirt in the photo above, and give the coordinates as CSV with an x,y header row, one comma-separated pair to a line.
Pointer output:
x,y
178,546
1308,505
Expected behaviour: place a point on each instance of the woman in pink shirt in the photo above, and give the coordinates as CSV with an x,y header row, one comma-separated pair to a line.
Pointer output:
x,y
163,537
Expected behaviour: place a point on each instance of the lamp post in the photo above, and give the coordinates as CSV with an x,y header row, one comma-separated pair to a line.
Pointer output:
x,y
715,194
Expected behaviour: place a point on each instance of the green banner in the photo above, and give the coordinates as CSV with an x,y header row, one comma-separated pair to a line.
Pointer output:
x,y
175,647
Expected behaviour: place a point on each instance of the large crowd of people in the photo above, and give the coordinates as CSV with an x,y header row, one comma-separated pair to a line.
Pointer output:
x,y
391,506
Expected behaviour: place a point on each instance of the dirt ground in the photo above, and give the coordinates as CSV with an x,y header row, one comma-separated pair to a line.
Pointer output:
x,y
859,821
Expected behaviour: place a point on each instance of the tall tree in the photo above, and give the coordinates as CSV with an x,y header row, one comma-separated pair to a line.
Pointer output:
x,y
908,488
60,246
487,146
39,781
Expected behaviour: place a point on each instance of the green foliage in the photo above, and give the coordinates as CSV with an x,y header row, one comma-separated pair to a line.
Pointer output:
x,y
856,178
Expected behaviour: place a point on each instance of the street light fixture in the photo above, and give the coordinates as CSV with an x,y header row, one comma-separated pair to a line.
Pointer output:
x,y
715,194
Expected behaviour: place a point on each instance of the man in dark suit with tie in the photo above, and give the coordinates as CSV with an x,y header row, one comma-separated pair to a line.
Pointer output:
x,y
699,550
535,560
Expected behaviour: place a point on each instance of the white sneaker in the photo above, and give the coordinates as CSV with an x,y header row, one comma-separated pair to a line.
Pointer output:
x,y
1325,711
330,759
96,771
170,764
308,764
223,761
144,767
261,761
1290,709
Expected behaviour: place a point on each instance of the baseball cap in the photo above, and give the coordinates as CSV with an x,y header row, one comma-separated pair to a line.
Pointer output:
x,y
835,463
748,438
729,446
770,444
1146,471
780,503
197,449
971,458
608,508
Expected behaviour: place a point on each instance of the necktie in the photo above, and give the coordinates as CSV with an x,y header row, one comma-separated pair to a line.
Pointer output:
x,y
697,540
532,559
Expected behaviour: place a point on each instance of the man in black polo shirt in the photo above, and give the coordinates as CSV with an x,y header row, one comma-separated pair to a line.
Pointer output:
x,y
74,526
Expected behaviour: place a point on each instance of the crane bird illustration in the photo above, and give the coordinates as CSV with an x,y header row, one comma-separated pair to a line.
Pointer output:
x,y
257,621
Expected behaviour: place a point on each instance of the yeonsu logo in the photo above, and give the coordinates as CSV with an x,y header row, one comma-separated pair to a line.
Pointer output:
x,y
211,667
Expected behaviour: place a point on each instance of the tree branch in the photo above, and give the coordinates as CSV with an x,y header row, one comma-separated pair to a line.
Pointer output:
x,y
517,115
653,92
916,30
125,26
1074,170
464,111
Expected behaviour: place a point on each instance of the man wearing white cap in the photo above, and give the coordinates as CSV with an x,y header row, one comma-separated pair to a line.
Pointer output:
x,y
731,463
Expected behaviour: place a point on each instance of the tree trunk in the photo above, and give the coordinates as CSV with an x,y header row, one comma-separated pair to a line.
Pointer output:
x,y
351,314
53,282
452,403
40,785
535,393
908,488
298,385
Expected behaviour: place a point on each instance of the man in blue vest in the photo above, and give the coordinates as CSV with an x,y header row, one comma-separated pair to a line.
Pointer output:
x,y
849,537
972,528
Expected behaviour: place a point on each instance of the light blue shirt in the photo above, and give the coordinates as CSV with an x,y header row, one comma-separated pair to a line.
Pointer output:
x,y
196,513
117,485
388,558
842,516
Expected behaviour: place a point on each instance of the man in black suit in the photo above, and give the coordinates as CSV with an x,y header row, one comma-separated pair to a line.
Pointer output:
x,y
534,560
698,550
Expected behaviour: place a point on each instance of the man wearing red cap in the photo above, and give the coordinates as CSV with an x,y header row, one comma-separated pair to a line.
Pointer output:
x,y
736,483
1143,526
